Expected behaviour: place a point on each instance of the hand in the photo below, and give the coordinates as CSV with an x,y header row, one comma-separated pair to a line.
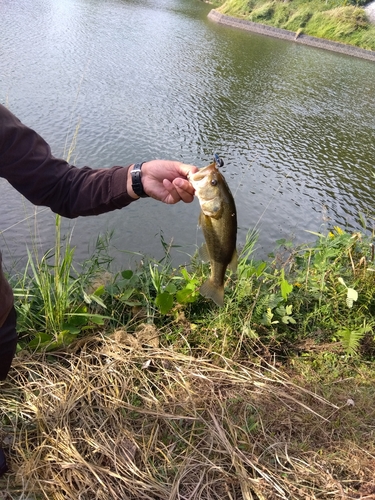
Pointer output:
x,y
166,181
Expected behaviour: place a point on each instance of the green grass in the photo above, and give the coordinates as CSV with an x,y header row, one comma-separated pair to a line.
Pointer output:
x,y
132,383
331,20
323,292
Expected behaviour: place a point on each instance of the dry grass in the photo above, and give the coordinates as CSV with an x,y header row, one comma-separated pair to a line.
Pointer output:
x,y
110,420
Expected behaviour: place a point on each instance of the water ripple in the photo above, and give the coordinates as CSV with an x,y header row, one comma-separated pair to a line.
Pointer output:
x,y
155,79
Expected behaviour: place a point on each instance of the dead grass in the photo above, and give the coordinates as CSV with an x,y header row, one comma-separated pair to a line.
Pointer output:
x,y
114,420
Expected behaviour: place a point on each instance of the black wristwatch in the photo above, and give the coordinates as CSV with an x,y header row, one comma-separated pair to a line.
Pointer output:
x,y
137,181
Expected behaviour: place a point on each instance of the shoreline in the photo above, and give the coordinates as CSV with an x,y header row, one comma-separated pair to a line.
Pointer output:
x,y
291,36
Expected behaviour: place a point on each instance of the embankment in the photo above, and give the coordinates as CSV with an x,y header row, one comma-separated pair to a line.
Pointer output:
x,y
291,36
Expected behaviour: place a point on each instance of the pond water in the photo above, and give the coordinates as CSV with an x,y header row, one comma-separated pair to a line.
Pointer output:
x,y
149,79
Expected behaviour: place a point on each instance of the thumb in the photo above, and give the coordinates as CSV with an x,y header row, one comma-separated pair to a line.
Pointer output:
x,y
186,169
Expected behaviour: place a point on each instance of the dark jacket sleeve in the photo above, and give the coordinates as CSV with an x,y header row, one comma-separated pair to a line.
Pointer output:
x,y
27,164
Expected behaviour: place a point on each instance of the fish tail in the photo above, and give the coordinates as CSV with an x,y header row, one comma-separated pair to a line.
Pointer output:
x,y
212,291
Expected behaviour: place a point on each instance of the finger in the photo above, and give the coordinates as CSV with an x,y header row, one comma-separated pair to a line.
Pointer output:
x,y
185,169
185,196
173,196
183,184
184,189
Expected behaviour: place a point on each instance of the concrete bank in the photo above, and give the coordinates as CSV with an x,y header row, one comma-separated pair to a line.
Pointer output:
x,y
291,36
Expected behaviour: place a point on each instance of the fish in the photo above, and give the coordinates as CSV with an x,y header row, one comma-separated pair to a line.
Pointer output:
x,y
218,220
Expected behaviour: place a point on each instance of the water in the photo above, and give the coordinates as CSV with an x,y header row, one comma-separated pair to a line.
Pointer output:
x,y
156,79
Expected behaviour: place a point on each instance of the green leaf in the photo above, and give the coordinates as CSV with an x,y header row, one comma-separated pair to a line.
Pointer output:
x,y
98,301
260,268
280,242
185,274
170,288
78,318
126,294
288,319
286,288
132,303
267,318
187,295
350,339
284,242
164,301
73,330
99,291
63,338
280,311
40,340
127,274
122,284
86,328
274,300
96,318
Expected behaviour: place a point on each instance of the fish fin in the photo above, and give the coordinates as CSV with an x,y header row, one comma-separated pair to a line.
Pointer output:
x,y
210,291
233,263
203,253
201,215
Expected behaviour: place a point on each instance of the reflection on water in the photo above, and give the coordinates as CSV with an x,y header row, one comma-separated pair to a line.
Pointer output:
x,y
156,79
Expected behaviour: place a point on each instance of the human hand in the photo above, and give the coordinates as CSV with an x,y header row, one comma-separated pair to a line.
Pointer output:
x,y
166,181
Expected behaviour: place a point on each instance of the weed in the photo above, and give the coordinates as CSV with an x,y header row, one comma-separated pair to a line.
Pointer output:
x,y
53,301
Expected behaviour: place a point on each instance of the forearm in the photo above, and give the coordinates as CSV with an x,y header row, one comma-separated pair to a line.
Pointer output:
x,y
28,165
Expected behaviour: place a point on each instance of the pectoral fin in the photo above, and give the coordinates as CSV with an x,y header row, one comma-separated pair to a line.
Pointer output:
x,y
203,253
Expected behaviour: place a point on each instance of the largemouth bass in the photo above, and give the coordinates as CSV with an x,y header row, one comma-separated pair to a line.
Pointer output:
x,y
218,219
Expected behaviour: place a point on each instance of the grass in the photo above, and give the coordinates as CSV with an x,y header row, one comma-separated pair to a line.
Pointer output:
x,y
53,298
152,392
331,19
109,419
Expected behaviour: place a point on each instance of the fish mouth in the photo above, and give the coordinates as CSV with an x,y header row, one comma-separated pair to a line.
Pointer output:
x,y
201,174
197,182
196,177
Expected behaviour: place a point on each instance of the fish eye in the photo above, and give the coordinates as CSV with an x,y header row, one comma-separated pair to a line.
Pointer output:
x,y
213,182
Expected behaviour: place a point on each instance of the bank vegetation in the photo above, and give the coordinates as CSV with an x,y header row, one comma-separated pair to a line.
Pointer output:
x,y
131,385
342,21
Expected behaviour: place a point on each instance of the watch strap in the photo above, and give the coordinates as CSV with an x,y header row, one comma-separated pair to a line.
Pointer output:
x,y
137,180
